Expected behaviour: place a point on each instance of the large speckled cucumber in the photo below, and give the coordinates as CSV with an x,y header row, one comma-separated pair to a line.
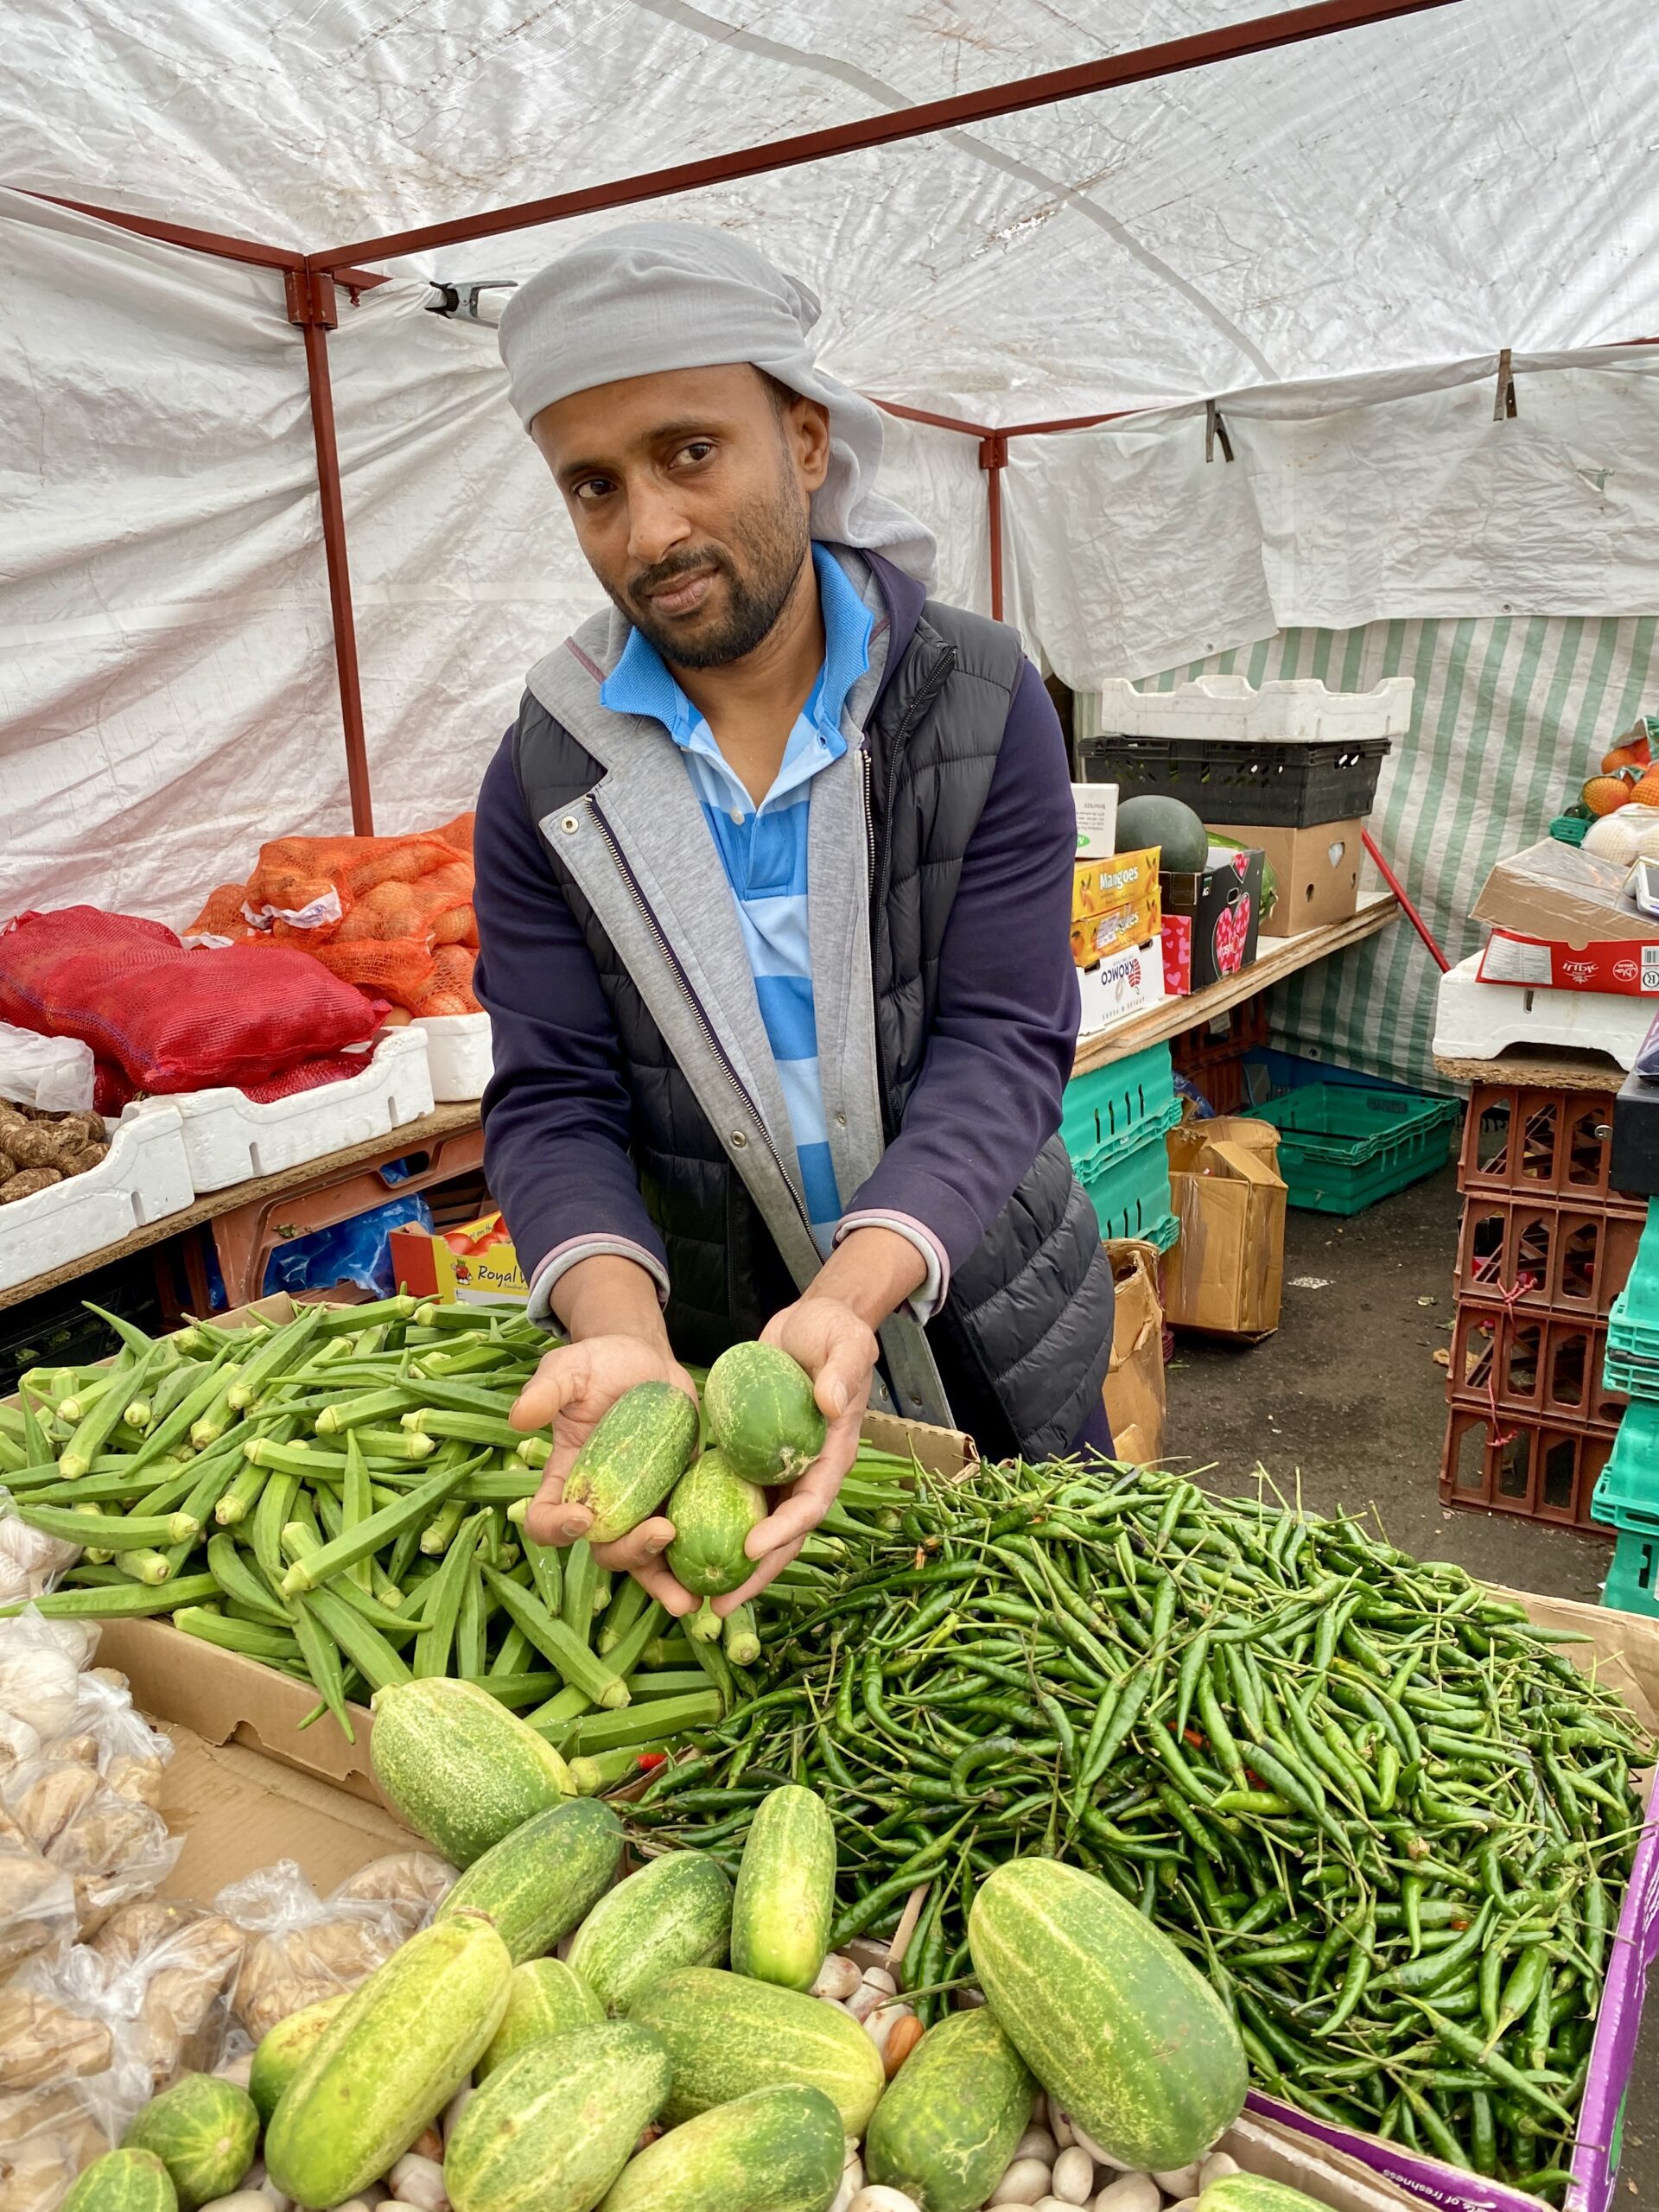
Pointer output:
x,y
635,1454
762,1413
544,1998
551,2130
461,1769
675,1912
785,1890
390,2060
204,2131
537,1883
713,1508
945,2130
1255,2193
773,2151
282,2048
1113,2021
727,2035
123,2181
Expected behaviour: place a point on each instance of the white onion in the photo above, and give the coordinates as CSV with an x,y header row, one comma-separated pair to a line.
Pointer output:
x,y
1037,2143
1074,2176
838,1977
419,2182
1178,2181
1130,2193
1024,2183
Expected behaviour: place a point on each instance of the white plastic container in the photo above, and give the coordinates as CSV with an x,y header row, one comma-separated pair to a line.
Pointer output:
x,y
1476,1022
144,1177
228,1139
1231,707
458,1052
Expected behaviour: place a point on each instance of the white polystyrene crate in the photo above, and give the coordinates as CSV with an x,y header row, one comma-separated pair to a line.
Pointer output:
x,y
229,1138
1476,1022
144,1176
1231,707
458,1052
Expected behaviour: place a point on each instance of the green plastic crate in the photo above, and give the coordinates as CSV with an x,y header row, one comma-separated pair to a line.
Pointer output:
x,y
1629,1587
1341,1148
1130,1193
1631,1363
1108,1112
1627,1493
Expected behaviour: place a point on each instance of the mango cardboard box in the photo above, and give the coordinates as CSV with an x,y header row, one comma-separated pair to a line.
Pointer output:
x,y
473,1265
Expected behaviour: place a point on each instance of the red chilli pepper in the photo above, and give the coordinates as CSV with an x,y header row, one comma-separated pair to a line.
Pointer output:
x,y
649,1761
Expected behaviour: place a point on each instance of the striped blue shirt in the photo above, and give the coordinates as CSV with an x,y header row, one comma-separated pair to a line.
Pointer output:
x,y
763,851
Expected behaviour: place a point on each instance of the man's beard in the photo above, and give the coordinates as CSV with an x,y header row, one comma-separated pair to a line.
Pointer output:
x,y
775,540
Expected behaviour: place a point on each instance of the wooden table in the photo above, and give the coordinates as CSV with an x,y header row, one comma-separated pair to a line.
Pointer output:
x,y
249,1220
1276,958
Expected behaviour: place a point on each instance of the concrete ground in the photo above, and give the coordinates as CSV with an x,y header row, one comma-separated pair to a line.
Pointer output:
x,y
1347,1395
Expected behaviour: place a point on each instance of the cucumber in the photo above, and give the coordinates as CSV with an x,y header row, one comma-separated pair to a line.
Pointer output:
x,y
538,1882
280,2050
551,2131
1255,2193
397,2050
204,2131
773,2151
544,1998
458,1767
945,2130
1127,2037
761,1412
726,2035
675,1912
713,1509
785,1890
635,1455
123,2181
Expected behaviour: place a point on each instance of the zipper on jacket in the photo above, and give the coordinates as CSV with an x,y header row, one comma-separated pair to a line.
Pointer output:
x,y
869,811
698,1013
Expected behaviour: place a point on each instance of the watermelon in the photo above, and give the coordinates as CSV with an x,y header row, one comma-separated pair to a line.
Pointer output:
x,y
713,1509
123,2181
945,2130
461,1769
538,1882
551,2130
544,1998
785,1890
282,2047
635,1455
1124,2034
204,2131
390,2060
675,1912
762,1413
773,2151
1150,818
1255,2193
726,2035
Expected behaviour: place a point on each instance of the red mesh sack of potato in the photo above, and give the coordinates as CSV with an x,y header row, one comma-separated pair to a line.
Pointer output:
x,y
173,1020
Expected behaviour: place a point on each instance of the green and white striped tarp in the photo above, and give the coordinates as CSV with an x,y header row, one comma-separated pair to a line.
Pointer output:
x,y
1510,714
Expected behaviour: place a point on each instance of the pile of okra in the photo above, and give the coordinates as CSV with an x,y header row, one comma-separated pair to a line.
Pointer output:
x,y
341,1497
1389,1820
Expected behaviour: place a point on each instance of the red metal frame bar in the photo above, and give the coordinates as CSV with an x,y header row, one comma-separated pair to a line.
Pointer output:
x,y
1400,892
1260,34
222,244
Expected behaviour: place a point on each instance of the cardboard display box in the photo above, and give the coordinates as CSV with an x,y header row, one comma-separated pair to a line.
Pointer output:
x,y
1126,880
1226,1273
1135,1381
1125,982
474,1265
1317,872
1211,921
1562,920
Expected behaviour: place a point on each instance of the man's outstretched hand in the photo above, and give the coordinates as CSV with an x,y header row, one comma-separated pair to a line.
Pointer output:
x,y
570,1392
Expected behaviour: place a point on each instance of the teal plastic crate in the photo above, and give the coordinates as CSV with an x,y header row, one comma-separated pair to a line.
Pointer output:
x,y
1130,1193
1109,1111
1569,829
1629,1587
1631,1361
1627,1493
1341,1148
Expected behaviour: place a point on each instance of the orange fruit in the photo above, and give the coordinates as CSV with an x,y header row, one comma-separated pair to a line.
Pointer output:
x,y
1646,790
1603,794
1626,756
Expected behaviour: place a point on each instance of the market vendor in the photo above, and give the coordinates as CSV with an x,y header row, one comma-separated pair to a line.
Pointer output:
x,y
774,903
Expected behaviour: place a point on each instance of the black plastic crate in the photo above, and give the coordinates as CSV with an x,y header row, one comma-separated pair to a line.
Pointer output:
x,y
1274,783
1634,1167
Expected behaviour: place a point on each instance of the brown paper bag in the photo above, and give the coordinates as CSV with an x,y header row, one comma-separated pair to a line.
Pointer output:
x,y
1135,1381
1226,1274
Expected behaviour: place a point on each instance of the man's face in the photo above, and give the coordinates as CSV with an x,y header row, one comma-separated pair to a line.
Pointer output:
x,y
689,492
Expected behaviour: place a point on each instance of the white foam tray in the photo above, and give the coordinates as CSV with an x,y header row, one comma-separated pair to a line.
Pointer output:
x,y
1230,707
228,1138
459,1054
1476,1022
144,1177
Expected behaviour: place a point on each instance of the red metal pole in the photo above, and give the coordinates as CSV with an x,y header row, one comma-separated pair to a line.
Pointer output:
x,y
220,243
938,421
994,459
1399,891
316,334
1259,35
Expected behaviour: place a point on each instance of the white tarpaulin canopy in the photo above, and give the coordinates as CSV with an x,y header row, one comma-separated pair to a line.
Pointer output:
x,y
1333,239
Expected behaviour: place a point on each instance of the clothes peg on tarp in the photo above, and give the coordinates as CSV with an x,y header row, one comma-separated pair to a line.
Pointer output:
x,y
1503,406
1215,433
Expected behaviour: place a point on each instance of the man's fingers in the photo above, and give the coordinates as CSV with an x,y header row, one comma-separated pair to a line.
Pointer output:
x,y
550,1521
674,1599
643,1544
766,1571
559,1380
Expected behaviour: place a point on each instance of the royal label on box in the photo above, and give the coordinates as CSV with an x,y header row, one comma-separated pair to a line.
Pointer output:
x,y
473,1265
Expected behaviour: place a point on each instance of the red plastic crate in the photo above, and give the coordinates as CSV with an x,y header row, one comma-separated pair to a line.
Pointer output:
x,y
1538,1252
1541,1470
1532,1364
1522,1143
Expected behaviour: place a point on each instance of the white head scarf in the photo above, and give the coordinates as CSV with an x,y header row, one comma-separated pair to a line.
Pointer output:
x,y
649,296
